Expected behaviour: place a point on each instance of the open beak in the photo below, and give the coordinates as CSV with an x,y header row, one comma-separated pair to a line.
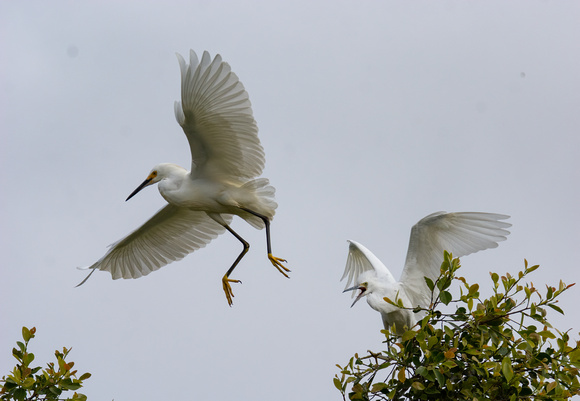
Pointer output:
x,y
140,187
362,293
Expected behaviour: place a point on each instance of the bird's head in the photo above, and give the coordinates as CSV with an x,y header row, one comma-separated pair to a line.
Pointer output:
x,y
364,291
368,282
157,174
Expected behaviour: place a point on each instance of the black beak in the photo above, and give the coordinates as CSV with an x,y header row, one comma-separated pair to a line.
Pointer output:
x,y
362,292
139,188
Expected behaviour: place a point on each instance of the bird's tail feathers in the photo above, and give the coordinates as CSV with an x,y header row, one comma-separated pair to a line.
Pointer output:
x,y
265,196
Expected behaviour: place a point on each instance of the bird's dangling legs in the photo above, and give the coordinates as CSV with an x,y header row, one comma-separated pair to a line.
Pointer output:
x,y
226,280
277,262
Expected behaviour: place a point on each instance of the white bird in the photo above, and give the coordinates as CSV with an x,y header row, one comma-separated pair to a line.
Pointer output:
x,y
458,233
216,116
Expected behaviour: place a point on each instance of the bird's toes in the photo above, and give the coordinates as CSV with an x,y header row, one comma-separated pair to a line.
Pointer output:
x,y
228,288
277,262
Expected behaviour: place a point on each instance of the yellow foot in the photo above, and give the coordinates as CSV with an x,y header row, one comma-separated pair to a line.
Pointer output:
x,y
277,262
228,289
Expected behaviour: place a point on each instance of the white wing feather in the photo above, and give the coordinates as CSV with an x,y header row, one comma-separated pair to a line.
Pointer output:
x,y
459,233
361,260
170,235
216,116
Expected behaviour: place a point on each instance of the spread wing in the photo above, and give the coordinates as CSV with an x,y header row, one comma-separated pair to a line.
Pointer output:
x,y
361,260
216,116
458,233
171,234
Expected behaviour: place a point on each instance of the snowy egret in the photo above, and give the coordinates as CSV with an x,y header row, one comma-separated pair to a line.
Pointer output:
x,y
458,233
216,116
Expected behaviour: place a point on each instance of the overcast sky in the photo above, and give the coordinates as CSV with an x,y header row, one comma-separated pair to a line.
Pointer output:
x,y
372,115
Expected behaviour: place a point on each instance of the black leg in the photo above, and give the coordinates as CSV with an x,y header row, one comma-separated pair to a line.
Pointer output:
x,y
226,279
277,262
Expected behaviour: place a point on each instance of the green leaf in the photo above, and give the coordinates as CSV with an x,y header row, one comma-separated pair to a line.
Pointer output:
x,y
472,351
506,368
27,359
84,376
446,297
28,382
544,357
19,394
409,334
574,355
556,308
378,387
448,332
68,384
337,384
418,386
531,269
432,341
473,289
429,283
449,364
54,390
62,366
17,375
547,334
423,371
26,334
440,378
401,375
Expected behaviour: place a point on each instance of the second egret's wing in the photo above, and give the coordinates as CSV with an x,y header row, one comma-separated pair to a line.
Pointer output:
x,y
458,233
360,260
216,116
170,235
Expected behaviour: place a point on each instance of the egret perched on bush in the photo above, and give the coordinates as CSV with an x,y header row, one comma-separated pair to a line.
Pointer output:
x,y
216,116
457,233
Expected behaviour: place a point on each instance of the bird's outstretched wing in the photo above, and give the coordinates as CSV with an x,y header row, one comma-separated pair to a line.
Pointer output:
x,y
361,260
216,116
458,233
171,234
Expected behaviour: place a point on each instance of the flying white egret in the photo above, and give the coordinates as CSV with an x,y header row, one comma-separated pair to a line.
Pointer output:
x,y
216,116
458,233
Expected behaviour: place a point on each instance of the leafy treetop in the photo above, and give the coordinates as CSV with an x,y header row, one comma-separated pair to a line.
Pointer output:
x,y
26,383
499,348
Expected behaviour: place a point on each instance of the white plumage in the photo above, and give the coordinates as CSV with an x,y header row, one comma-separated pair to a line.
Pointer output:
x,y
459,233
227,157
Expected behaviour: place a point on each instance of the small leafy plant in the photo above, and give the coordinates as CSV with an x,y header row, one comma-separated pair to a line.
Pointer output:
x,y
499,348
26,383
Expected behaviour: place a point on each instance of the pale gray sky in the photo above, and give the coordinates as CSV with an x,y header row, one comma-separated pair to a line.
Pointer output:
x,y
372,114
